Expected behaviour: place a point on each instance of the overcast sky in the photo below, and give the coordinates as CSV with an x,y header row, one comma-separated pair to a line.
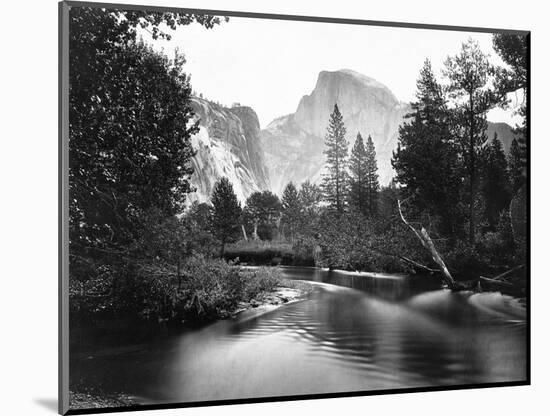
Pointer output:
x,y
270,64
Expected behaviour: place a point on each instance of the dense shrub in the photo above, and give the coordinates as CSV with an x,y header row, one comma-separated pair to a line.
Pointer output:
x,y
354,242
123,291
210,289
210,286
258,281
260,252
306,248
463,260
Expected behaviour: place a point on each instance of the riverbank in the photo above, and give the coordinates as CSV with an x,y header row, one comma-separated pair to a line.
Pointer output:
x,y
206,290
286,292
267,253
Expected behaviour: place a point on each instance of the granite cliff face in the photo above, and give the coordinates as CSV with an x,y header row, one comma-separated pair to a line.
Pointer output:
x,y
294,144
290,148
228,144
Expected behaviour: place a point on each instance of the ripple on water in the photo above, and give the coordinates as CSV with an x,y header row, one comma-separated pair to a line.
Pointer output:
x,y
380,339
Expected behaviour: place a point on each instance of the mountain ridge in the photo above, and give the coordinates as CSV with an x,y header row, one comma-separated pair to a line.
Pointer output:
x,y
290,148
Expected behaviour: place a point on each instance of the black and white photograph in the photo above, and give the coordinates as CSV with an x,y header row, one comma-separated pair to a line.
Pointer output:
x,y
272,207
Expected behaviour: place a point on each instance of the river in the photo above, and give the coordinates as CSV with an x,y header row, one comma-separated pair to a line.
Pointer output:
x,y
353,332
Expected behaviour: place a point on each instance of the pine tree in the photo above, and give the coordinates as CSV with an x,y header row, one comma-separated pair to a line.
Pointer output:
x,y
495,186
226,213
516,166
292,210
358,177
335,180
426,161
469,74
513,49
372,178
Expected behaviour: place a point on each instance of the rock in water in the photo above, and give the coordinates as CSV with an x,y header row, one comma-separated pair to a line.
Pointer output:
x,y
228,144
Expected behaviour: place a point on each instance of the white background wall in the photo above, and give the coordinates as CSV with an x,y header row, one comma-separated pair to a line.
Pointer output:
x,y
28,205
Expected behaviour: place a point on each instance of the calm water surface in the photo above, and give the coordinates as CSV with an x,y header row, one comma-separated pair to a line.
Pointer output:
x,y
353,332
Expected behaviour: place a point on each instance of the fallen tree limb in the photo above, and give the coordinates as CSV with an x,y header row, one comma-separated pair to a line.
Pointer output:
x,y
509,272
500,282
417,264
427,242
405,259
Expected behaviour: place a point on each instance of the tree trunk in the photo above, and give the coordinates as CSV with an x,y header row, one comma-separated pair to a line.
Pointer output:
x,y
472,172
427,242
179,274
244,233
255,232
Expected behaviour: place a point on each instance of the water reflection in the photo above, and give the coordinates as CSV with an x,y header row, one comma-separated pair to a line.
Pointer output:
x,y
353,332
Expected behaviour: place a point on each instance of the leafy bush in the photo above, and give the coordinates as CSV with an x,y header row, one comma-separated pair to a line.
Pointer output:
x,y
498,247
258,281
353,242
210,286
262,252
463,260
306,250
210,289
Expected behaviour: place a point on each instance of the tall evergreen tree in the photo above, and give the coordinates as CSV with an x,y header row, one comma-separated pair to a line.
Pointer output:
x,y
291,210
226,213
426,161
513,51
495,185
335,180
516,166
358,177
372,178
469,75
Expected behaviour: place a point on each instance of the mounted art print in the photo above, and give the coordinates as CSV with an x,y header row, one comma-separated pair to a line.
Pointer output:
x,y
268,207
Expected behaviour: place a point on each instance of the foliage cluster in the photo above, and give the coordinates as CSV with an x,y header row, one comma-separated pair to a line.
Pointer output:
x,y
210,289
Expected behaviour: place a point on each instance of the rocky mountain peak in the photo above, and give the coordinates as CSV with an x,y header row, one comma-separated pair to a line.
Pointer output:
x,y
345,78
368,107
